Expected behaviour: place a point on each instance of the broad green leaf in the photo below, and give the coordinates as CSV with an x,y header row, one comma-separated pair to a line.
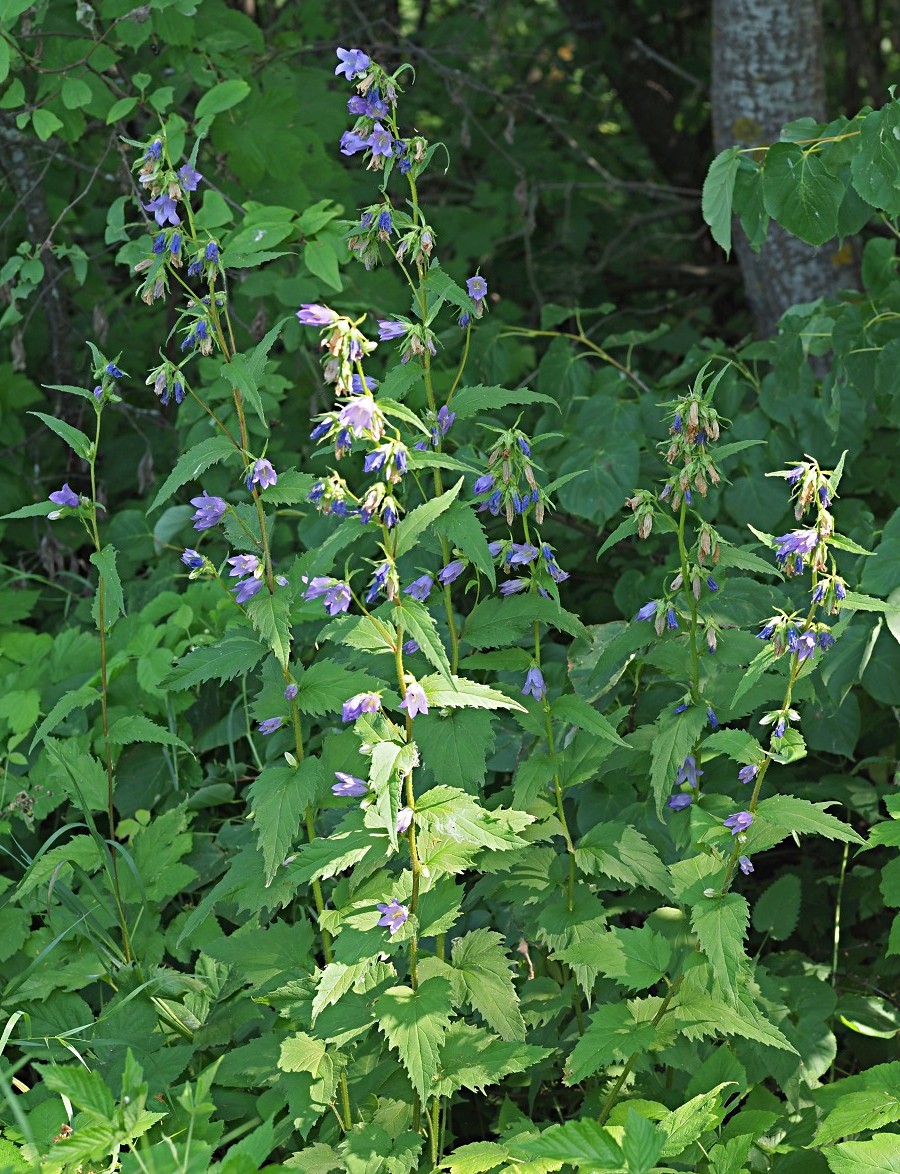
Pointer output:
x,y
336,980
418,520
270,615
581,1142
45,123
700,1014
125,731
761,662
496,622
414,1024
738,745
675,738
689,1121
455,746
800,193
231,657
623,530
400,411
875,168
720,924
109,588
481,974
222,97
191,464
460,693
879,1155
390,763
84,1089
245,371
642,1143
634,958
782,815
575,710
718,195
473,1058
75,93
278,798
778,907
322,262
120,109
461,528
448,814
325,686
413,617
612,1034
619,851
469,401
859,1112
440,288
301,1053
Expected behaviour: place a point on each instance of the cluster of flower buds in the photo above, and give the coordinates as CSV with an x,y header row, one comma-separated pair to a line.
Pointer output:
x,y
509,462
810,486
707,545
382,224
345,346
168,382
642,505
798,637
537,561
695,422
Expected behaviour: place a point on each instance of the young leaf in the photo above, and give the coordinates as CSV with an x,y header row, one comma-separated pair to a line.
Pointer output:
x,y
445,813
634,958
68,703
481,974
642,1143
612,1034
325,685
278,798
579,1142
415,1023
697,1116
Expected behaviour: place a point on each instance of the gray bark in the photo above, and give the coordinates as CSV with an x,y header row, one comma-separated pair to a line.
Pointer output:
x,y
767,69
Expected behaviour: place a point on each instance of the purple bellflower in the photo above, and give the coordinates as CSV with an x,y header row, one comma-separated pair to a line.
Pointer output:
x,y
210,511
393,915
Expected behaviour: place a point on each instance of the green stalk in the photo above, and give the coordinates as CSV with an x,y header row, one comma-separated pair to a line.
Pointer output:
x,y
692,604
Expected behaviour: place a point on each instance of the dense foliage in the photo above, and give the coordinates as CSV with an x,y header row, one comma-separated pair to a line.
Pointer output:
x,y
447,724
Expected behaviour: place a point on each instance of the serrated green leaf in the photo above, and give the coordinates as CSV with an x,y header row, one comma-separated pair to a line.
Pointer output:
x,y
109,588
325,686
781,815
460,693
85,1089
270,615
859,1112
634,958
414,1023
575,710
191,464
496,622
623,530
417,620
777,909
761,662
279,796
473,1058
642,1143
612,1034
469,401
417,521
461,528
720,924
879,1155
619,851
581,1143
481,974
800,193
301,1053
233,656
738,745
80,444
390,762
125,731
674,739
455,746
445,813
68,703
689,1121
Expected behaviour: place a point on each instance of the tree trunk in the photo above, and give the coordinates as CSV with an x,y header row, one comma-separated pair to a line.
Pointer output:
x,y
767,69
